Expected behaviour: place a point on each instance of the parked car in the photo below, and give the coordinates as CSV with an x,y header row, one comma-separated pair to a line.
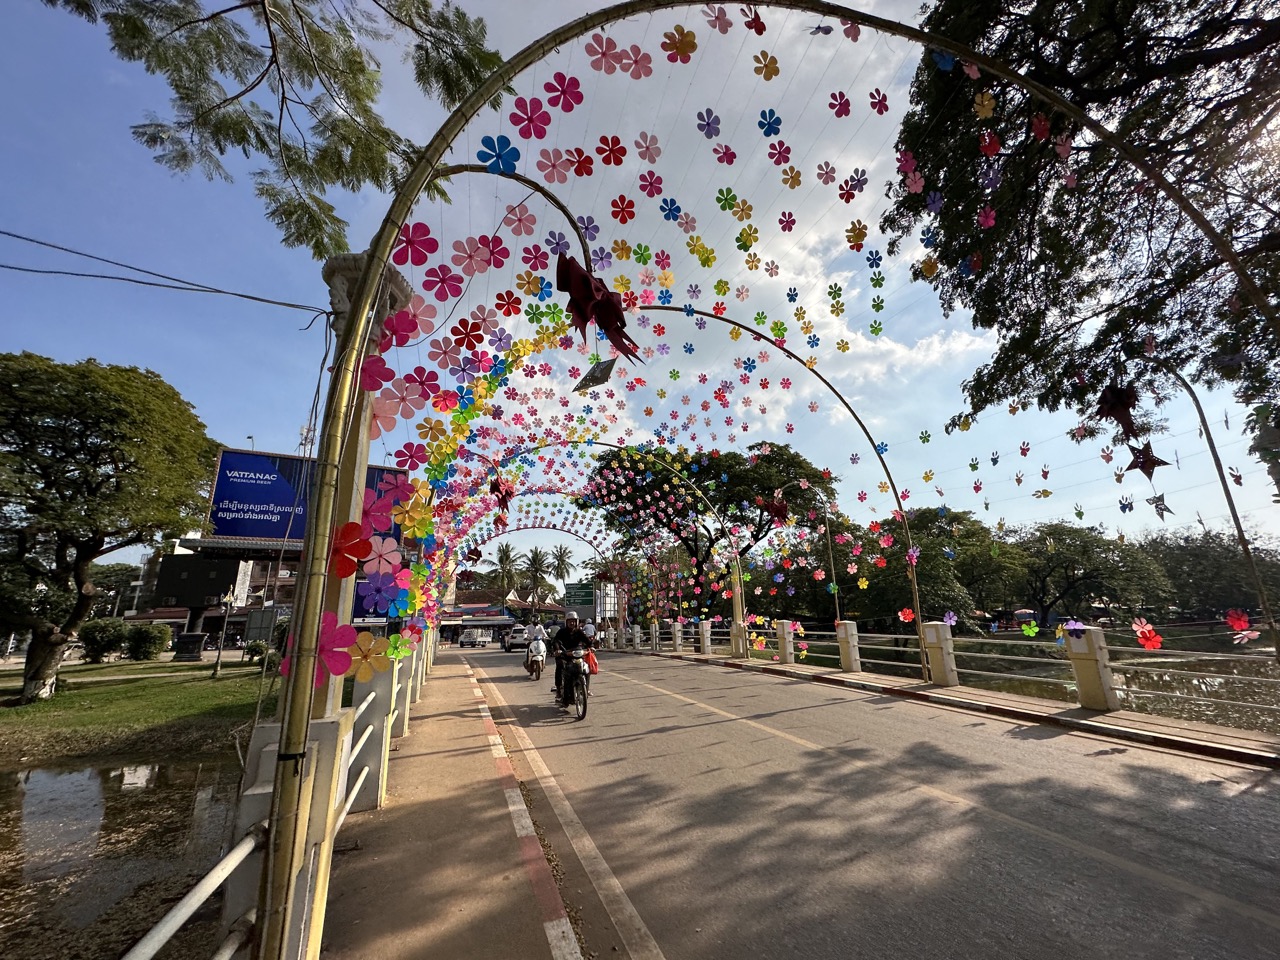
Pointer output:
x,y
516,637
474,638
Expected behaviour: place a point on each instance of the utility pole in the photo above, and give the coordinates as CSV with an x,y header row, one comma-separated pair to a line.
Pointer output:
x,y
228,604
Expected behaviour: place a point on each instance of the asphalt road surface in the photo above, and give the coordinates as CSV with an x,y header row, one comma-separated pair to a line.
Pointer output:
x,y
701,812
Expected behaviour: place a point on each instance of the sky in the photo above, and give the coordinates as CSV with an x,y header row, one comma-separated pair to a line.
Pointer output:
x,y
75,177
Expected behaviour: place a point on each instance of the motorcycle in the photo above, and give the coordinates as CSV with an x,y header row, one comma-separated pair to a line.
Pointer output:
x,y
577,675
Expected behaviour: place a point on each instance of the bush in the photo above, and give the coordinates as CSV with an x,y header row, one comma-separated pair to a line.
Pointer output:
x,y
255,649
146,641
101,638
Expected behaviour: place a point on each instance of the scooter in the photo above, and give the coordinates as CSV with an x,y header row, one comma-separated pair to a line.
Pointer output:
x,y
536,661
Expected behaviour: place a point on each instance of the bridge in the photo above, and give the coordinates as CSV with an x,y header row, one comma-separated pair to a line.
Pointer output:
x,y
707,812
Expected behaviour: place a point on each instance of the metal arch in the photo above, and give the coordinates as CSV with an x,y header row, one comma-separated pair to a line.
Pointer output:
x,y
533,185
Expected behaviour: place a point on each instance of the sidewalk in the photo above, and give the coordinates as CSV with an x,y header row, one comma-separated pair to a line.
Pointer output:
x,y
450,867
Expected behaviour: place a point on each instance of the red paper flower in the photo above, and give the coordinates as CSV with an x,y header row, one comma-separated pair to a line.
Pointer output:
x,y
1237,620
624,209
349,547
611,151
906,614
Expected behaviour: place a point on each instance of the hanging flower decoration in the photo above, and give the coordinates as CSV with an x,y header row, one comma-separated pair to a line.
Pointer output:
x,y
1146,634
331,648
350,546
906,614
368,654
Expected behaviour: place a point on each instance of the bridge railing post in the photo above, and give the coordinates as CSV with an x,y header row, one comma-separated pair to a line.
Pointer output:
x,y
636,635
737,640
941,653
704,636
1095,686
786,641
677,636
847,638
375,750
655,638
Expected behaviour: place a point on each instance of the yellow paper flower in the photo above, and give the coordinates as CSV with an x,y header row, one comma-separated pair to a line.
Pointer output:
x,y
622,249
863,583
837,308
800,314
753,261
742,211
766,65
984,105
806,327
666,279
734,333
883,486
842,346
622,283
431,430
529,283
929,267
368,653
791,178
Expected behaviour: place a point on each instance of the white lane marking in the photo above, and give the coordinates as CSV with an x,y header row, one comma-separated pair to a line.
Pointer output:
x,y
631,928
564,945
519,813
1218,900
484,711
496,747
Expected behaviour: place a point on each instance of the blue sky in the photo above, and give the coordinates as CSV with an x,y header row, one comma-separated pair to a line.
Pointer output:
x,y
74,176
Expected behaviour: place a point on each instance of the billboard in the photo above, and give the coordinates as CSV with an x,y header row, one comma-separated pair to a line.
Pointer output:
x,y
263,496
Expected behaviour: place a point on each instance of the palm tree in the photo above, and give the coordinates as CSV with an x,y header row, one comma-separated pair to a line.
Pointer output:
x,y
506,567
537,565
562,564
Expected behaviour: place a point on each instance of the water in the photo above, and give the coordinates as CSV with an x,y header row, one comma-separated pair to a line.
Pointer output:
x,y
90,858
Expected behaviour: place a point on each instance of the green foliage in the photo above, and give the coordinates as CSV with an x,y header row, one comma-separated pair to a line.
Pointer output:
x,y
1207,571
101,638
292,86
1083,283
93,458
112,587
255,649
146,641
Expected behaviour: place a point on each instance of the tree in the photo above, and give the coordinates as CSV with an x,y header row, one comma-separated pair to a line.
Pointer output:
x,y
93,458
535,569
113,587
672,492
1069,567
1089,274
505,567
292,84
990,570
1207,571
562,565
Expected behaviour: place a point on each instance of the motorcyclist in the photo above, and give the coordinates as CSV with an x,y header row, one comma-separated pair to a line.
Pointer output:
x,y
567,638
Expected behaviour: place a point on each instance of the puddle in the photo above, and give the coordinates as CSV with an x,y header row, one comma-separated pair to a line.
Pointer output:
x,y
91,857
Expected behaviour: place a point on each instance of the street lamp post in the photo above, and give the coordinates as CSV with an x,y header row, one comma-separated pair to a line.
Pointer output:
x,y
228,603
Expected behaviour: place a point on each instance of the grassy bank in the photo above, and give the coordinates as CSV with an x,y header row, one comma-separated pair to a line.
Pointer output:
x,y
109,710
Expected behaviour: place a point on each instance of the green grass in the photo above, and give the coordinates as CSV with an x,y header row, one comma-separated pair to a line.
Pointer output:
x,y
158,716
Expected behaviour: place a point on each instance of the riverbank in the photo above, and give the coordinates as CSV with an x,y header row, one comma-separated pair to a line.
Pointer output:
x,y
143,711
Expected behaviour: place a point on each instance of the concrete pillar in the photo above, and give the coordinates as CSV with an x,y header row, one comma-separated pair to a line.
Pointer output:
x,y
374,751
738,640
847,638
655,638
419,667
786,641
400,728
324,788
677,636
941,653
704,636
636,635
1090,661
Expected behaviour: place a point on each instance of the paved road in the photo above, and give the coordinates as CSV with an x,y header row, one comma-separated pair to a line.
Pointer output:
x,y
740,815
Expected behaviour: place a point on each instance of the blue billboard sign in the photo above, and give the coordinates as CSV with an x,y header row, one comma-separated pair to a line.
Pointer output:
x,y
263,496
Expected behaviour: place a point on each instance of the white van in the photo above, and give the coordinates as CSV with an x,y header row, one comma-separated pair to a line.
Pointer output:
x,y
474,638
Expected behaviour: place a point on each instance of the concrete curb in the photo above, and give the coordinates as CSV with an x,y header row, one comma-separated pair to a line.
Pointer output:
x,y
1098,724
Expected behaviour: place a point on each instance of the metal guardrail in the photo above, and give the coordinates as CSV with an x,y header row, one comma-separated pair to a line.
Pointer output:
x,y
181,912
241,931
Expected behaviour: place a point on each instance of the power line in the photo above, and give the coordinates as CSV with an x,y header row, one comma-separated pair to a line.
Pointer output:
x,y
176,283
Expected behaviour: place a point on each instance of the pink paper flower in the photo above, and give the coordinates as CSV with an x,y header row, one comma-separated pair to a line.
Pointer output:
x,y
414,245
530,119
331,648
563,92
